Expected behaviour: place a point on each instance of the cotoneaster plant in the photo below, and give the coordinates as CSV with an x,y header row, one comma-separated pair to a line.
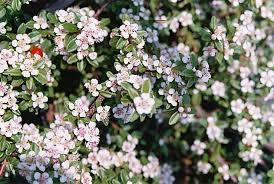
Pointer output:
x,y
137,92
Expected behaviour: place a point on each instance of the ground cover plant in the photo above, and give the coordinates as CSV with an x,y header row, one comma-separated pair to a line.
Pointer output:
x,y
135,91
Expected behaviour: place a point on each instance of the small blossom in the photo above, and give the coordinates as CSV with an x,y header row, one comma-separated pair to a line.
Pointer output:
x,y
40,23
93,87
21,43
102,113
2,28
144,103
39,100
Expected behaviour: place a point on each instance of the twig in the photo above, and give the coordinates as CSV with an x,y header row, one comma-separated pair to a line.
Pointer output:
x,y
3,166
99,11
269,146
50,113
92,107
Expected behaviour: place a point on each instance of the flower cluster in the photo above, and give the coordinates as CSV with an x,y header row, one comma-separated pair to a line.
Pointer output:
x,y
121,92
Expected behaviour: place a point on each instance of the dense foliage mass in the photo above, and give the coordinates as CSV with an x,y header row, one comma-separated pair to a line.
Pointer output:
x,y
135,91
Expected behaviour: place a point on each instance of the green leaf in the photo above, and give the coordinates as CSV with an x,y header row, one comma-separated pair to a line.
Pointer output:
x,y
16,5
22,29
123,177
41,78
219,45
39,64
35,36
154,5
174,118
107,94
190,82
213,23
194,59
2,12
104,22
132,92
72,59
29,83
129,48
113,41
11,36
186,99
23,105
188,73
71,45
30,24
47,46
219,57
4,45
17,83
196,99
81,65
3,144
52,18
146,87
206,35
71,28
237,48
121,43
10,149
13,72
158,102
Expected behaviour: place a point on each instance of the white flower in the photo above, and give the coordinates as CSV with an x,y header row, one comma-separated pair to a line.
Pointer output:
x,y
104,158
128,29
93,87
174,24
244,72
237,106
213,131
166,176
182,48
102,113
267,78
119,111
86,178
40,23
209,51
144,103
244,125
203,167
136,80
185,19
28,69
11,127
198,147
92,55
3,65
64,16
224,170
219,33
21,43
236,2
250,139
42,178
2,28
152,168
80,107
218,89
254,111
247,85
39,100
173,97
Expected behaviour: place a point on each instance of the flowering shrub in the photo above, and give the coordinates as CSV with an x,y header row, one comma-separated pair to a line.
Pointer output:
x,y
137,92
